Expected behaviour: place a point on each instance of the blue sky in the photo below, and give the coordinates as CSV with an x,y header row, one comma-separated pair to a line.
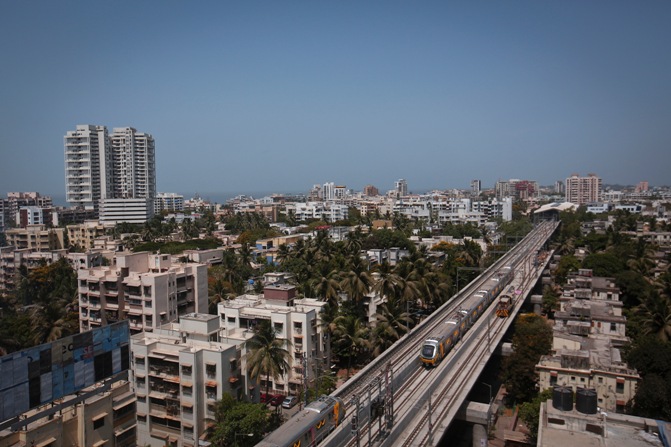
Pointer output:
x,y
279,95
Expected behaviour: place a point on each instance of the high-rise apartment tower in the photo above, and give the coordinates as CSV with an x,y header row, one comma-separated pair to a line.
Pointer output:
x,y
101,166
583,190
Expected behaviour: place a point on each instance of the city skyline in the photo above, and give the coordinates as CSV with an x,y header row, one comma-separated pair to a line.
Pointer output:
x,y
276,97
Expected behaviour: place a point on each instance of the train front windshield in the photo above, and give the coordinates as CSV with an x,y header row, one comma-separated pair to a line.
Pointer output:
x,y
427,351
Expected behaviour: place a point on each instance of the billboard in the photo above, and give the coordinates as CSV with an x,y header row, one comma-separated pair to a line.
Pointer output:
x,y
44,373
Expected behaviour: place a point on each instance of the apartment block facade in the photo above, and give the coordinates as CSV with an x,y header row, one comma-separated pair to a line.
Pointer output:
x,y
179,372
588,335
294,320
583,190
99,166
104,419
36,238
147,289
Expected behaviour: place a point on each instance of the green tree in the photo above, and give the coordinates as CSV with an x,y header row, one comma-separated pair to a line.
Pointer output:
x,y
350,338
529,411
532,339
267,355
233,417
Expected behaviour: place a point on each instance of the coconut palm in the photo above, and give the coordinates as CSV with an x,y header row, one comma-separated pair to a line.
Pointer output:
x,y
267,355
655,311
393,321
326,284
350,338
357,282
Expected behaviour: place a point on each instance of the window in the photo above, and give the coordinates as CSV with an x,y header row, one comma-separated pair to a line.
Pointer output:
x,y
231,320
210,369
600,379
186,370
99,422
613,327
619,387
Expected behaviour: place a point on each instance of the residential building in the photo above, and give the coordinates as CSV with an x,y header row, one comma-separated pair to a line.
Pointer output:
x,y
476,187
134,164
168,201
517,189
583,190
84,235
295,320
147,289
88,166
34,215
36,238
11,260
137,211
588,334
585,426
105,418
370,191
120,166
179,372
401,187
328,191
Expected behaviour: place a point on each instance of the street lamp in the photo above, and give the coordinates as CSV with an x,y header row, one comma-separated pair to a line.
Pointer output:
x,y
242,434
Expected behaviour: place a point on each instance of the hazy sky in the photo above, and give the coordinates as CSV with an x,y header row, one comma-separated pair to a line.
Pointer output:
x,y
247,96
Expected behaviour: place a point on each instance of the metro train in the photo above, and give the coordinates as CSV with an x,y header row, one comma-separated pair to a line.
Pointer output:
x,y
309,426
436,347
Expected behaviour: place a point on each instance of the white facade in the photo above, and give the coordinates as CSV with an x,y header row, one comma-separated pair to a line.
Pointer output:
x,y
87,165
179,372
401,187
295,320
168,201
114,211
147,289
134,164
101,166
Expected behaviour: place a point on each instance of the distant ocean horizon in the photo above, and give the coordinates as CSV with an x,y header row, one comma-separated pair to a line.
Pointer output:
x,y
213,197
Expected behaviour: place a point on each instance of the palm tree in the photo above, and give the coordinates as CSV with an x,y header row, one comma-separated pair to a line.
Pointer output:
x,y
350,335
327,317
357,282
326,284
267,354
393,321
655,311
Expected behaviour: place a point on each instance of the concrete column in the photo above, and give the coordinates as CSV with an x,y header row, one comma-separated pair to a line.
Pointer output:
x,y
480,438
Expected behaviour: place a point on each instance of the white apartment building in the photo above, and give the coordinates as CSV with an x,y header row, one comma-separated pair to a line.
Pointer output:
x,y
328,191
295,320
168,201
147,289
137,211
401,187
100,166
328,211
134,164
179,372
88,169
583,190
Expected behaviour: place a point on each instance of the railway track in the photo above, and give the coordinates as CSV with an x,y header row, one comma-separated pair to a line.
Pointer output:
x,y
394,374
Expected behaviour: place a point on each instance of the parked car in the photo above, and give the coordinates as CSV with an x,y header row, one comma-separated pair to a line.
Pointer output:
x,y
276,400
289,402
265,398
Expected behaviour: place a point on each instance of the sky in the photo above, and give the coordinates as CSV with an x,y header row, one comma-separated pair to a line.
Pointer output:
x,y
247,96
